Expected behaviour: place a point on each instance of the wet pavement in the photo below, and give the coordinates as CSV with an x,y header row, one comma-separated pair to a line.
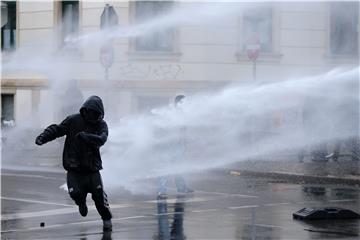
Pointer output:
x,y
223,206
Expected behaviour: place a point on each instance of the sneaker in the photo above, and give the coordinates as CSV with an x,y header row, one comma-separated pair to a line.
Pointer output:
x,y
189,190
83,210
162,195
107,225
332,156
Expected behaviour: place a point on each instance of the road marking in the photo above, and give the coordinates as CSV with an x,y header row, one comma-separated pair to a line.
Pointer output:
x,y
167,214
53,212
185,199
308,202
221,193
35,201
59,211
73,223
241,207
266,225
47,227
227,194
30,176
74,209
205,210
275,204
180,200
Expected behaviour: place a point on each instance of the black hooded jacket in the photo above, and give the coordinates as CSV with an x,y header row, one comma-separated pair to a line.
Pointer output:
x,y
84,137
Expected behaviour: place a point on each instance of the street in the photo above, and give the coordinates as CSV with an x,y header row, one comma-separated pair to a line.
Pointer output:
x,y
223,206
251,107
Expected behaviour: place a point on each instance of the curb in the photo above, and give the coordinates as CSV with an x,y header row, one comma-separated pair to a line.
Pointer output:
x,y
297,178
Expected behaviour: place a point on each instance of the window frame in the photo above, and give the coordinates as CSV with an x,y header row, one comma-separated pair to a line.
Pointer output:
x,y
274,54
329,54
16,44
59,42
13,94
135,54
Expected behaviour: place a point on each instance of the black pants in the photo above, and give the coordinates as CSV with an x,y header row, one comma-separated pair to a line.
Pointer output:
x,y
80,184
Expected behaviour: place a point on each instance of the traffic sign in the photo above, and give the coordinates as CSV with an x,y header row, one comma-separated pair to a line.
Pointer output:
x,y
253,47
107,55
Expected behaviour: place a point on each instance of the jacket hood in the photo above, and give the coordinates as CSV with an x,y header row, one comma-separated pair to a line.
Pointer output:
x,y
94,103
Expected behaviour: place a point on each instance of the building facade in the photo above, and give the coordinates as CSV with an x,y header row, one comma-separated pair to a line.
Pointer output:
x,y
295,39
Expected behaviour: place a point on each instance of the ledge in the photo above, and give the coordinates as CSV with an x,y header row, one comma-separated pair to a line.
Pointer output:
x,y
150,55
345,59
32,81
263,57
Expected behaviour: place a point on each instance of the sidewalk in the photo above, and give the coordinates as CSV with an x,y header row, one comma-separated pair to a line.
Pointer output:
x,y
342,172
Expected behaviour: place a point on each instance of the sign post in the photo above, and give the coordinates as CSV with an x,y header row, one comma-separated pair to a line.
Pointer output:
x,y
108,20
107,58
253,50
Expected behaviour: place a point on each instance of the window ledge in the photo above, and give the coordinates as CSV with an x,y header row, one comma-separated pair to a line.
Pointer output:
x,y
149,55
263,57
7,54
341,58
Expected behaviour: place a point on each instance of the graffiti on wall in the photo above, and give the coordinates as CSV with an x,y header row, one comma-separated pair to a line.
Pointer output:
x,y
150,71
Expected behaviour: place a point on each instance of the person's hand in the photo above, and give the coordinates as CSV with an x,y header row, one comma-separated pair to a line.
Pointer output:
x,y
39,140
82,136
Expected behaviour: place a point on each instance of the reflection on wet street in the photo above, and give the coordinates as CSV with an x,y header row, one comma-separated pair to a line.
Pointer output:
x,y
170,226
222,207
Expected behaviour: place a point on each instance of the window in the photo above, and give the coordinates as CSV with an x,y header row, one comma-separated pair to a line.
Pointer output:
x,y
7,110
161,40
344,20
69,23
258,22
8,25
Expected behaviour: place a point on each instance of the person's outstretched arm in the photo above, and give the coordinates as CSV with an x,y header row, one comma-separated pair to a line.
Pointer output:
x,y
52,132
98,139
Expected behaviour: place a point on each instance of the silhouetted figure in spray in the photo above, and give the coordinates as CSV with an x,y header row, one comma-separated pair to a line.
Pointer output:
x,y
180,148
346,120
85,133
314,123
70,102
73,99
